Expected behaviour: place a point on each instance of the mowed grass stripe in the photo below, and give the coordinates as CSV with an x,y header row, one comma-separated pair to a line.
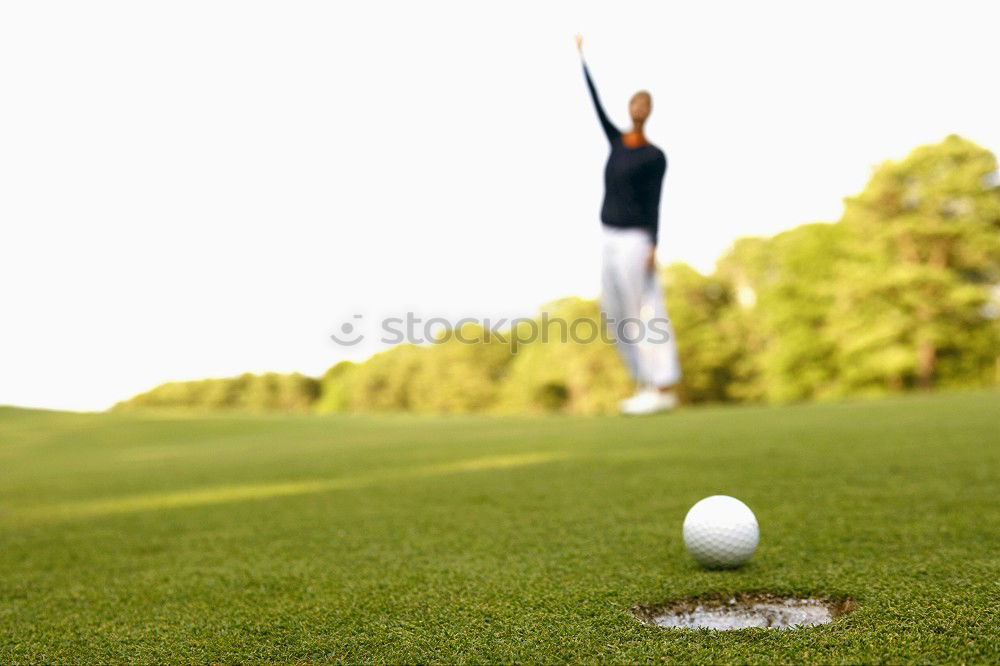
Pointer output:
x,y
225,494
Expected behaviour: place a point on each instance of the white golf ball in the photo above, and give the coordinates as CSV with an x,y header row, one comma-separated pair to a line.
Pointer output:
x,y
721,532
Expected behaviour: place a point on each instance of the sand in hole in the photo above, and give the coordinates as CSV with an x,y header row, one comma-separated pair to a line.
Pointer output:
x,y
758,611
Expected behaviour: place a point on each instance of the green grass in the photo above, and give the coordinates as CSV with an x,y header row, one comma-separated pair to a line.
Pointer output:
x,y
128,537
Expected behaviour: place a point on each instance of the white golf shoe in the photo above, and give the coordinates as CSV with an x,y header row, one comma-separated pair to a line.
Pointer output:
x,y
648,401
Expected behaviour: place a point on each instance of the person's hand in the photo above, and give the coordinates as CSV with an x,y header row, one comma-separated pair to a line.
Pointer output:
x,y
579,43
651,260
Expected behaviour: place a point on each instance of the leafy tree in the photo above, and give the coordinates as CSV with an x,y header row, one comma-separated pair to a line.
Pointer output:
x,y
461,372
337,387
269,392
785,287
924,256
385,381
570,366
711,335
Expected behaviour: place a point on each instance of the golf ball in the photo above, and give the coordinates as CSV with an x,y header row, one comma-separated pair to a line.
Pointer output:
x,y
721,532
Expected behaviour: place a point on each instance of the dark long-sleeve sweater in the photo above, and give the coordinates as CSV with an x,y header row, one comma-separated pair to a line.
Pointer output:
x,y
633,178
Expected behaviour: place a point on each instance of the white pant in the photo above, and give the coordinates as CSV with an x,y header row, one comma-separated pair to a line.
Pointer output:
x,y
633,303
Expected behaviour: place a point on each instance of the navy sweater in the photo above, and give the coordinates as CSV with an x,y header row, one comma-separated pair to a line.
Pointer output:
x,y
633,178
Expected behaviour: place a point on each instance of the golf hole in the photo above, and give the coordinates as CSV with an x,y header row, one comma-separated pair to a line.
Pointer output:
x,y
745,612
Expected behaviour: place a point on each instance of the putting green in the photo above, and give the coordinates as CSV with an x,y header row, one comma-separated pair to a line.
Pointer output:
x,y
127,537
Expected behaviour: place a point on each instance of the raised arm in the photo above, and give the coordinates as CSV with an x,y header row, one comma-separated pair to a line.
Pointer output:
x,y
609,129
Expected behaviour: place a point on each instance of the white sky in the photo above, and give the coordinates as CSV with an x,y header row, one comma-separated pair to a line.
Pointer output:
x,y
196,189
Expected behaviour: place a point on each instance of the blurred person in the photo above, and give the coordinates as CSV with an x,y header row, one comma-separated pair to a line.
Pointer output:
x,y
631,298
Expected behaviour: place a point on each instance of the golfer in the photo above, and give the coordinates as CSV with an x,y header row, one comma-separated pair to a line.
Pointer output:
x,y
631,298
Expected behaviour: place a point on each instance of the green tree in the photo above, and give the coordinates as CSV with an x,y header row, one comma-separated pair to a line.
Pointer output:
x,y
569,366
337,388
461,372
711,333
785,287
385,381
924,256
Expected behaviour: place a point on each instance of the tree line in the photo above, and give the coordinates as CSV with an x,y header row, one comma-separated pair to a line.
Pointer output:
x,y
901,293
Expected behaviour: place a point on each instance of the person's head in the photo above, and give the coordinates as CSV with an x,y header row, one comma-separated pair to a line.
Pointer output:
x,y
639,107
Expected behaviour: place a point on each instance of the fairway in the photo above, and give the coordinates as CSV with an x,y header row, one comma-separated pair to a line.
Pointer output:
x,y
132,537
